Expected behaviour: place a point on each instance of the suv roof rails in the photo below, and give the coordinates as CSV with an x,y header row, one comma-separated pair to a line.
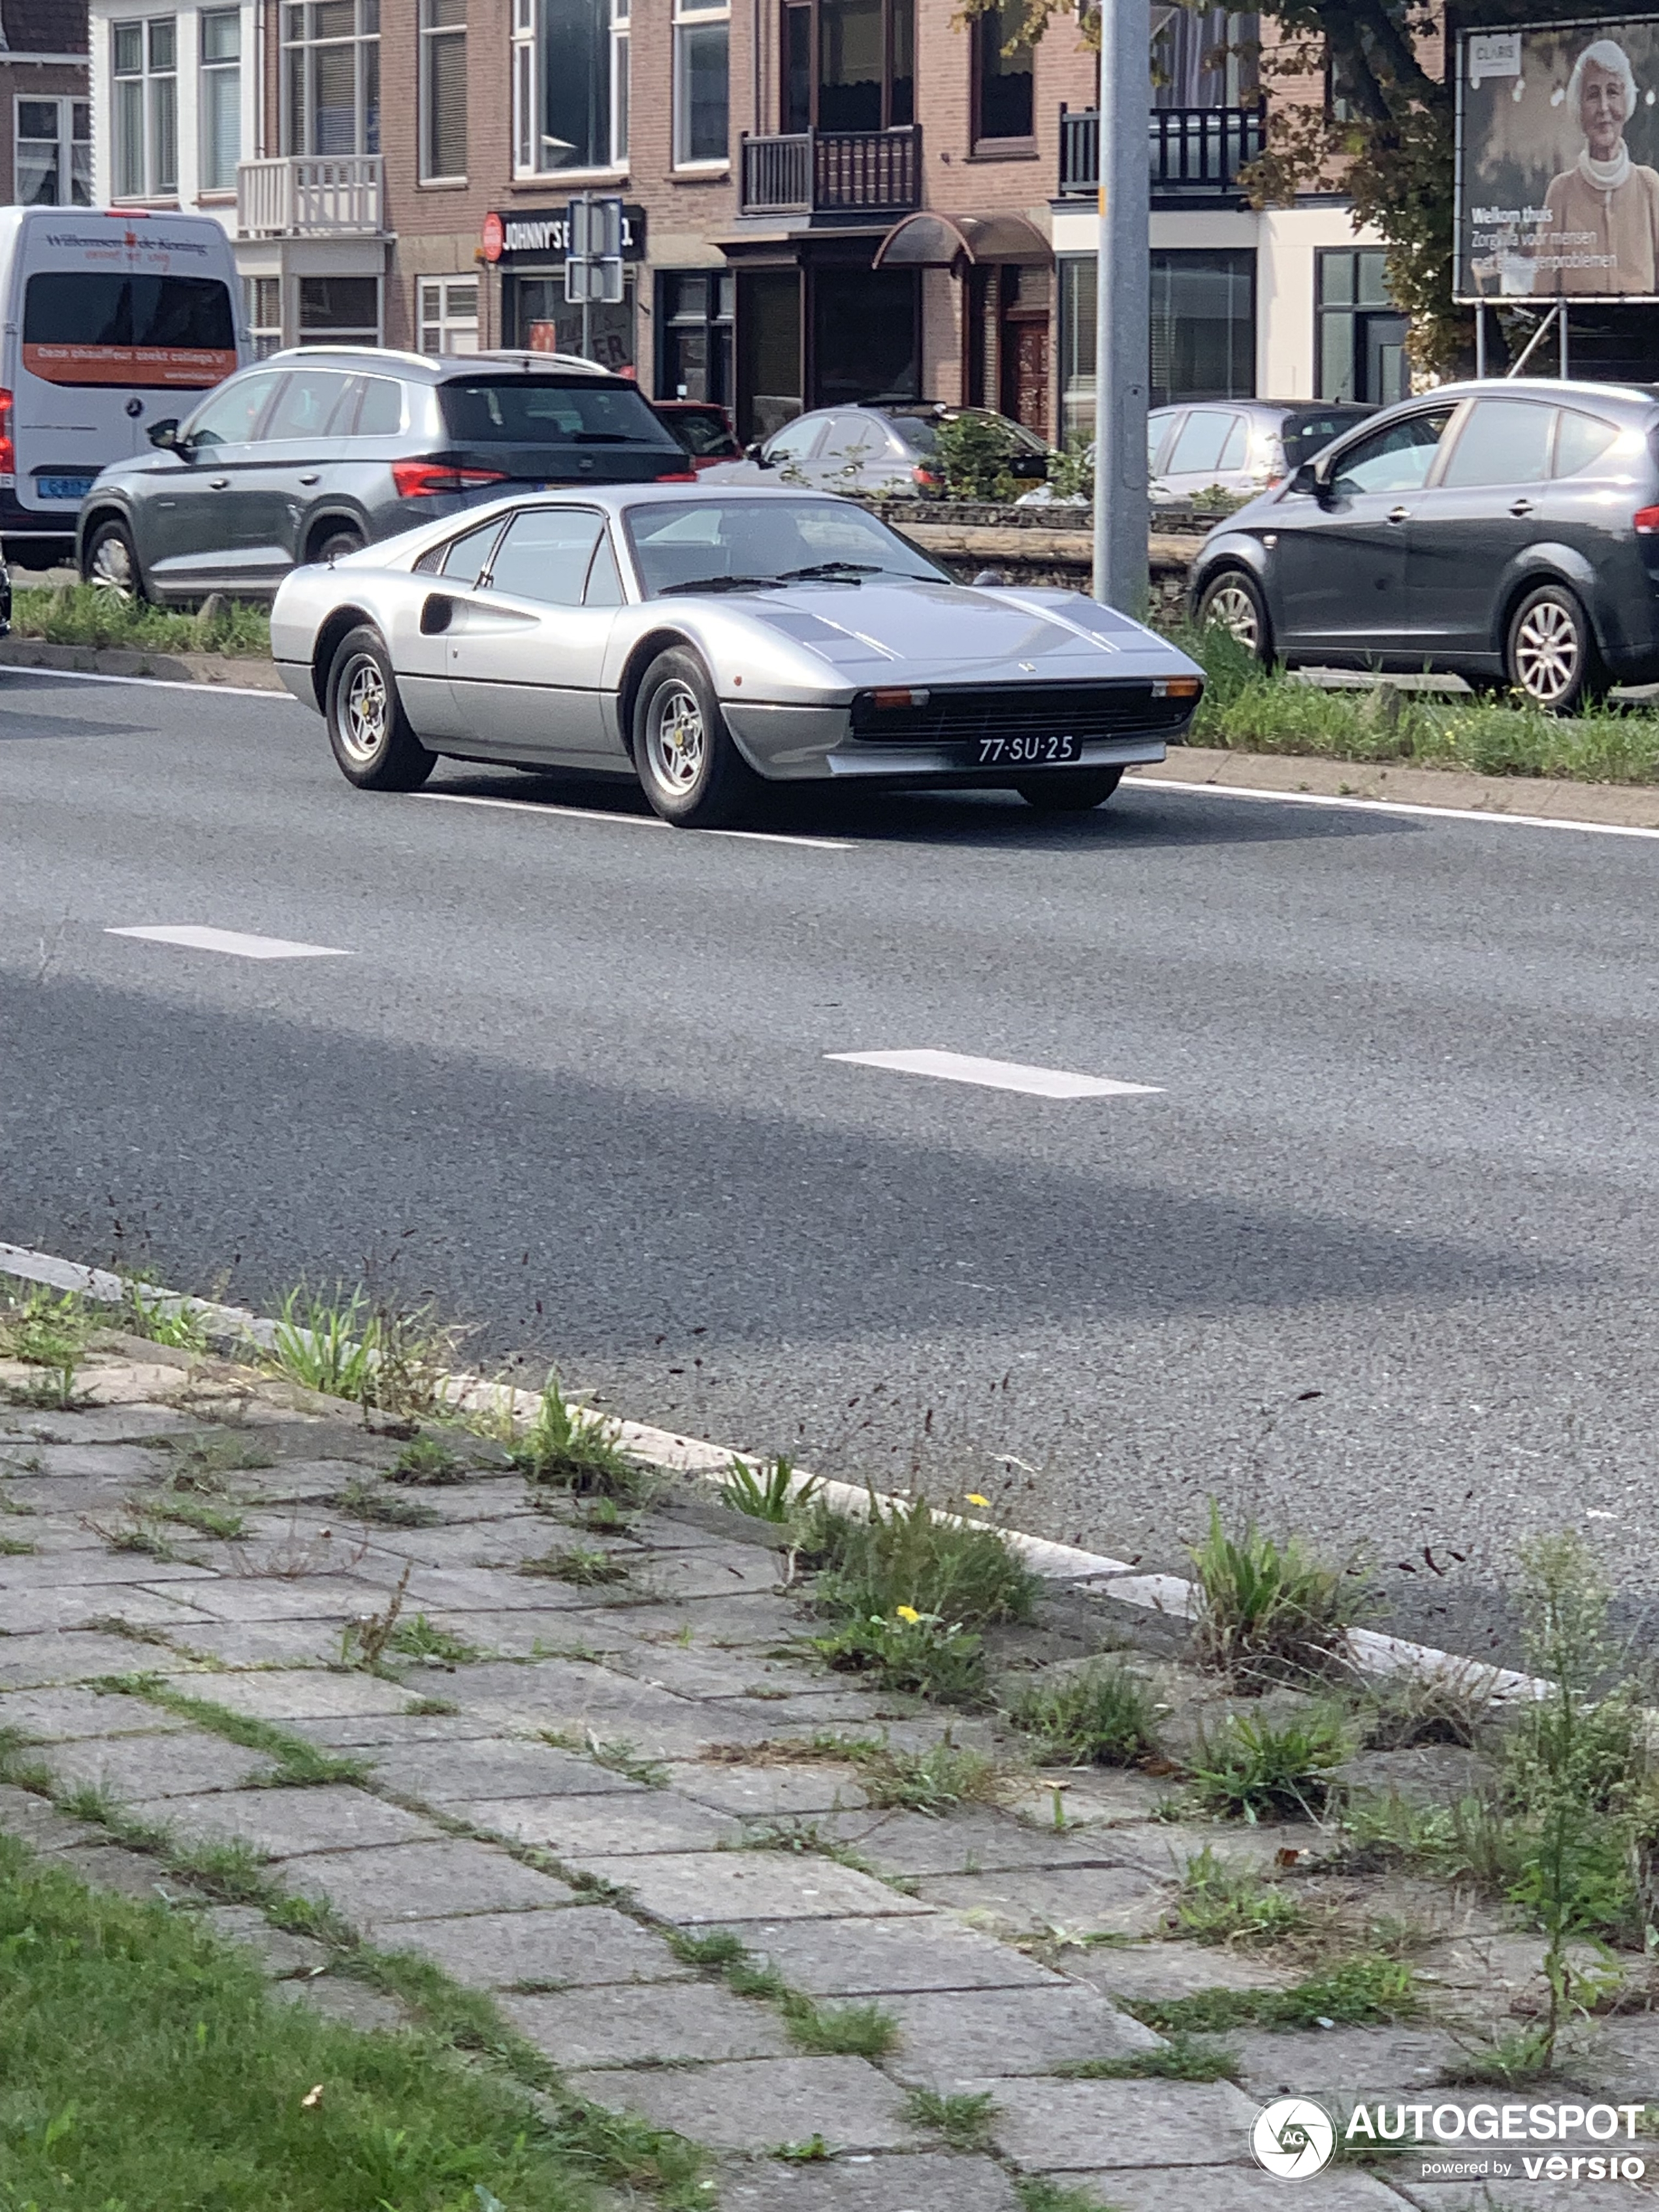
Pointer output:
x,y
531,359
386,353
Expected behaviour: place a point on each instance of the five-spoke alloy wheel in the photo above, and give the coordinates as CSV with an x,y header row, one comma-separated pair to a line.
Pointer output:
x,y
692,772
373,741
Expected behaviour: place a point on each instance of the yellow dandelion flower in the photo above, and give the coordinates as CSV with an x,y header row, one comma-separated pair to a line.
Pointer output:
x,y
974,1498
907,1613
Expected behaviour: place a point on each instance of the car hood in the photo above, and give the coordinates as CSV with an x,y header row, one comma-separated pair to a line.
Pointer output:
x,y
951,630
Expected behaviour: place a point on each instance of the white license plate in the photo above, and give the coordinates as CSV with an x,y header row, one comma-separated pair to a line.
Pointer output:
x,y
1028,752
63,487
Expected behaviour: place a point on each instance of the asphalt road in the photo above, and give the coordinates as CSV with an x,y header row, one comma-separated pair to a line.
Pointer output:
x,y
1375,1260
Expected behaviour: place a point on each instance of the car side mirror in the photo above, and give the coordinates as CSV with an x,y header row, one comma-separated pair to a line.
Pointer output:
x,y
1028,467
989,580
165,434
1313,479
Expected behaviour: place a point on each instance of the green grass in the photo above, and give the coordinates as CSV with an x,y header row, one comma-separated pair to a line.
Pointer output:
x,y
1036,2193
963,2120
1223,1904
909,1556
848,2031
585,1566
568,1447
161,1319
1182,2058
427,1460
1358,1993
14,1548
298,1760
419,1639
366,1500
76,613
1253,1769
615,1752
771,1492
921,1653
206,1520
932,1781
1101,1716
1271,1611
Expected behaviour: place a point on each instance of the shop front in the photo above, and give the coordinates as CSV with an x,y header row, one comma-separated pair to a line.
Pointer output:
x,y
528,246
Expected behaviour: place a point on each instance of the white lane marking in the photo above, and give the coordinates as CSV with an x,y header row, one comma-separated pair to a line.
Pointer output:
x,y
634,821
998,1074
1389,807
233,941
149,682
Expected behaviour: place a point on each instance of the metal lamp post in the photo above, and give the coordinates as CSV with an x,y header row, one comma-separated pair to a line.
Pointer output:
x,y
1123,306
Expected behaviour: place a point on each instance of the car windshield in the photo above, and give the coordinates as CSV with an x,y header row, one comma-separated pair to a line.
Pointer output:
x,y
1304,435
545,411
749,543
703,434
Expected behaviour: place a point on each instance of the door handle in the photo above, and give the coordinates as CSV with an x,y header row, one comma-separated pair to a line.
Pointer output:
x,y
316,477
1522,507
1400,515
219,483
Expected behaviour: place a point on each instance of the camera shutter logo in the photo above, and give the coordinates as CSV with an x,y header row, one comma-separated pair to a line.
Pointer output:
x,y
1293,2138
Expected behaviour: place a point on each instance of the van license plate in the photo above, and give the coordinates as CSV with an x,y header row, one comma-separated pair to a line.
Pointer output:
x,y
63,487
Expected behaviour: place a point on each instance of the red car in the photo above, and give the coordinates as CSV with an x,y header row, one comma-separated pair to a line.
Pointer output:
x,y
704,429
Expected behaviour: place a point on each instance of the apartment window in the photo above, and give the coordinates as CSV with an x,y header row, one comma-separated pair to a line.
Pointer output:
x,y
694,330
702,32
222,98
570,85
1203,326
1205,57
339,311
262,305
144,65
443,89
449,314
859,72
1362,334
52,164
1003,102
332,76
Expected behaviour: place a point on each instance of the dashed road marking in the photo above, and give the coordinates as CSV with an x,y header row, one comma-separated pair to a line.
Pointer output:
x,y
999,1074
633,821
236,942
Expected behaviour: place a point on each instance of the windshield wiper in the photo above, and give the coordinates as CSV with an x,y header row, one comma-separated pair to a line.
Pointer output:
x,y
722,584
831,572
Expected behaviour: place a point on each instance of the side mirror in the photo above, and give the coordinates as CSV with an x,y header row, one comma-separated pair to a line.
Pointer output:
x,y
990,580
755,451
1313,479
1028,467
165,434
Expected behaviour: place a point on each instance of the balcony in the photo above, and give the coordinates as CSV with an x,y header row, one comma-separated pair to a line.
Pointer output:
x,y
834,172
310,196
1196,152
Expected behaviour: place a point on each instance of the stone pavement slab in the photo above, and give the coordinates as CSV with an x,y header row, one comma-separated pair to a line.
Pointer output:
x,y
303,1693
132,1767
583,1828
917,2181
28,1662
505,1767
1088,1899
1346,2062
1238,2189
1137,1971
262,1643
407,1729
242,1598
969,1842
67,1569
424,1882
662,2025
724,1623
34,1821
283,1823
55,1714
1091,2127
694,1888
961,2035
768,1793
757,2104
871,1958
575,1947
107,1866
337,1997
89,1605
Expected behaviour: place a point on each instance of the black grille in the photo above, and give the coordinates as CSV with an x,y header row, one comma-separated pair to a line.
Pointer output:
x,y
1084,711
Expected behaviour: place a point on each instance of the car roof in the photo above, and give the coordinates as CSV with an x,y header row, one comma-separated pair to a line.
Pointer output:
x,y
444,367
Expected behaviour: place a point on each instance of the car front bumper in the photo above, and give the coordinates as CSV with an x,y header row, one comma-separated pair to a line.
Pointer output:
x,y
815,744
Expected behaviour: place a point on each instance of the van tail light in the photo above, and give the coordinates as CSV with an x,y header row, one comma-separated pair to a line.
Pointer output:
x,y
425,479
1646,518
676,475
8,448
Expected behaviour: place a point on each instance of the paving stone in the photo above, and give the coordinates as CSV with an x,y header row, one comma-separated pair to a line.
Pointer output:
x,y
750,1618
1173,1969
28,1662
499,1768
1088,1900
959,2035
520,1634
64,1714
304,1693
871,1958
34,1821
126,1464
159,1766
482,1589
1085,2127
264,1643
768,1793
723,1572
352,2002
1349,2061
282,1823
1234,2189
362,1731
66,1569
87,1605
280,1954
655,1822
1104,1794
1428,1774
422,1881
756,2104
106,1866
107,1425
243,1598
1163,1847
969,1842
692,1887
629,2026
920,2181
578,1947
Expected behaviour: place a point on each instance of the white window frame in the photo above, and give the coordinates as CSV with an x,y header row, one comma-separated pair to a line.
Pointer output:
x,y
265,329
157,88
67,145
445,321
207,67
528,32
690,15
431,35
360,39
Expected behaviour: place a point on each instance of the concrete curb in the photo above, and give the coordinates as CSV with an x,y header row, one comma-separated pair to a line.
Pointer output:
x,y
1372,1651
243,671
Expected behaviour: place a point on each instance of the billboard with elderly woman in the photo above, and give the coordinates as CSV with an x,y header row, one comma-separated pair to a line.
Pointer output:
x,y
1558,161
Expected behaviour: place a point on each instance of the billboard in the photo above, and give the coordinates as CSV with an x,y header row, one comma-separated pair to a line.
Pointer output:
x,y
1558,161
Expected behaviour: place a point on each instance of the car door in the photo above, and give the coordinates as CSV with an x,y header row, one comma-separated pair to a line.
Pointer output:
x,y
527,646
1485,505
186,516
1212,442
1338,577
300,441
857,454
787,454
420,641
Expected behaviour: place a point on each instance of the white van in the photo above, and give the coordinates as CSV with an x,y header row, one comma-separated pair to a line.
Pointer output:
x,y
107,319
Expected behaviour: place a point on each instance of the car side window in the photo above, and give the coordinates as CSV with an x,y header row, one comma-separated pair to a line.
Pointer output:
x,y
1503,442
603,577
464,558
380,409
1580,441
1232,454
1203,435
854,438
1398,458
796,439
545,553
228,417
310,405
1157,429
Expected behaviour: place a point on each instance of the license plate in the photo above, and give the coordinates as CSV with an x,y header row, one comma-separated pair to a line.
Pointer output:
x,y
63,487
1028,752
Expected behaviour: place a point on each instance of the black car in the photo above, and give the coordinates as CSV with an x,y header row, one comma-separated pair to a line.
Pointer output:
x,y
1507,533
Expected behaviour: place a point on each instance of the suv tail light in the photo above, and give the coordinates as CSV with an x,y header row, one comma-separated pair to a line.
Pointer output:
x,y
1646,518
8,449
676,476
423,479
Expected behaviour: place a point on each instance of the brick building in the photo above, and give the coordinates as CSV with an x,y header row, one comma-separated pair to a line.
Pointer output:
x,y
46,115
826,199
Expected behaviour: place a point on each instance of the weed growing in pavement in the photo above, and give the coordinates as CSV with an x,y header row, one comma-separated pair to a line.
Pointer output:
x,y
807,2153
805,1839
1359,1993
1220,1903
159,1319
1182,2058
1101,1716
770,1491
964,2120
1037,2193
133,1529
365,1500
719,1948
428,1709
848,2031
587,1566
419,1639
15,1548
1411,1709
1252,1767
1514,2060
604,1516
932,1781
48,1330
756,1977
295,1757
569,1447
377,1355
919,1652
1268,1611
202,1463
906,1559
426,1460
206,1520
616,1752
364,1642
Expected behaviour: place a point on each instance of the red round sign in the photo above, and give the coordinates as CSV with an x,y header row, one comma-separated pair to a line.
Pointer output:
x,y
493,237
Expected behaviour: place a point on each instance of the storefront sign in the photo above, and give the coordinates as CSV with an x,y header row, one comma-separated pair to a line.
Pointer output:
x,y
543,235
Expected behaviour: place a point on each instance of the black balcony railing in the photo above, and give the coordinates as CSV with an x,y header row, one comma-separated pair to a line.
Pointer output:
x,y
1195,152
833,173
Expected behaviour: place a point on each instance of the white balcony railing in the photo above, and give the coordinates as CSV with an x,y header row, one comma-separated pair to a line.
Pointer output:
x,y
309,196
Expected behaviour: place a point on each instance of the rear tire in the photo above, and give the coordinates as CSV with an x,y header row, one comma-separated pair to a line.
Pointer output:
x,y
1070,790
110,563
1550,653
1233,602
334,544
690,770
367,728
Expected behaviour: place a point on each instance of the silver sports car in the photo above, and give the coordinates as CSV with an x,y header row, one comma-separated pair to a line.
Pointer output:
x,y
712,642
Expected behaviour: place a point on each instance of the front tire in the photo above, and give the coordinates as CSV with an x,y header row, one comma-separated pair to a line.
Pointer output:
x,y
367,728
690,770
1550,654
109,563
1070,790
1233,603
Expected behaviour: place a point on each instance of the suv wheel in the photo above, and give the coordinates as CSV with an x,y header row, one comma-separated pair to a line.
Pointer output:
x,y
334,544
1233,601
111,563
1551,657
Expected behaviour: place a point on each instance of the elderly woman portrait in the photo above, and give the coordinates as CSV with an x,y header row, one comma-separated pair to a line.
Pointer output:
x,y
1602,235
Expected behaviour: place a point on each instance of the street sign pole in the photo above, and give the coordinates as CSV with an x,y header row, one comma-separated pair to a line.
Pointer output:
x,y
1123,306
594,258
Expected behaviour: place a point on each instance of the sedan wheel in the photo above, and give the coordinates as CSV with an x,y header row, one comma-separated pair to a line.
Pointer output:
x,y
1070,790
1232,602
676,740
110,565
1551,657
692,771
371,736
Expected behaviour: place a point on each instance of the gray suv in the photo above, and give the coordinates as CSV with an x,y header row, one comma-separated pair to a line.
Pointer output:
x,y
318,451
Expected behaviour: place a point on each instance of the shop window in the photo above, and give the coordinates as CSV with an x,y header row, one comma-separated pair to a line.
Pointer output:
x,y
769,385
1362,334
1003,103
443,90
144,66
703,35
540,317
52,160
1203,327
570,85
332,76
449,314
339,311
693,335
262,305
866,335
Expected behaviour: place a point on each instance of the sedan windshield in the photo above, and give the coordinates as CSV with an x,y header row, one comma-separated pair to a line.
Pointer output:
x,y
750,544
